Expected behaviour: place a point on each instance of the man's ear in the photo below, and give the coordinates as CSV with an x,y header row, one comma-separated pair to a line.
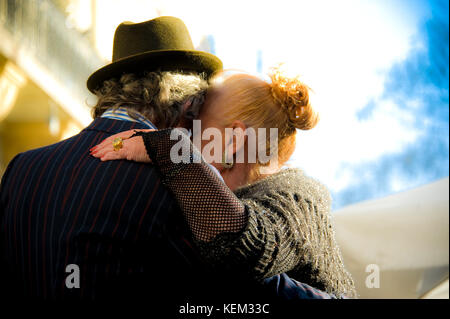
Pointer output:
x,y
236,142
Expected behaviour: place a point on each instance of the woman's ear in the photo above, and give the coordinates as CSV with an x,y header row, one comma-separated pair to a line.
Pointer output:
x,y
236,141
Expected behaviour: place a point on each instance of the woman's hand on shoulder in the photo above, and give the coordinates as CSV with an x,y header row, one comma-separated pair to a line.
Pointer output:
x,y
122,146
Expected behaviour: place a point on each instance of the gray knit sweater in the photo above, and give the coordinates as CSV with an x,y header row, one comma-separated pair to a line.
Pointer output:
x,y
278,224
290,224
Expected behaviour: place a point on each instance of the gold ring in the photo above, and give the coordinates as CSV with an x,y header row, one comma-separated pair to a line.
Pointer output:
x,y
117,144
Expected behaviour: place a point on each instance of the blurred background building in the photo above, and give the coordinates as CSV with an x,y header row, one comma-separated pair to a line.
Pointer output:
x,y
46,54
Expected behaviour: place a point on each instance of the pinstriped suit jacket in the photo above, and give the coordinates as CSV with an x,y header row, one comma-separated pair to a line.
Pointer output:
x,y
114,220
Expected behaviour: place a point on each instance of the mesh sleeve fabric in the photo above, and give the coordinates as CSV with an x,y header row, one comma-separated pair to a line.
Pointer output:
x,y
209,206
257,238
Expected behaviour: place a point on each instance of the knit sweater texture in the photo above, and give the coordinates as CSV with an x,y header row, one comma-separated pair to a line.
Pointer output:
x,y
281,223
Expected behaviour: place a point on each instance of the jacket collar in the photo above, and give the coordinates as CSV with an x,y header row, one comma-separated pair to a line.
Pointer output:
x,y
113,126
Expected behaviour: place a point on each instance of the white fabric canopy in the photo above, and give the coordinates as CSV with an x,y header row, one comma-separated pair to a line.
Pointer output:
x,y
405,236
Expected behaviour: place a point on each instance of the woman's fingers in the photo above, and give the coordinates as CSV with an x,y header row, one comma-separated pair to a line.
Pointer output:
x,y
133,149
102,150
106,152
124,135
110,140
114,155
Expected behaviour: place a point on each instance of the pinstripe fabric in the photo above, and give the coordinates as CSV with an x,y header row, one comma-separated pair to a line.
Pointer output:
x,y
60,206
115,220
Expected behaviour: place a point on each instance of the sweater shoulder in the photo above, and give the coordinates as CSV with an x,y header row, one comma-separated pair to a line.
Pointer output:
x,y
289,183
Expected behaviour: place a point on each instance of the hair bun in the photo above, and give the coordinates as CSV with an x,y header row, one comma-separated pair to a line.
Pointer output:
x,y
292,95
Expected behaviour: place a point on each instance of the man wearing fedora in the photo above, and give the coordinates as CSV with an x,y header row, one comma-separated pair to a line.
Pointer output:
x,y
73,227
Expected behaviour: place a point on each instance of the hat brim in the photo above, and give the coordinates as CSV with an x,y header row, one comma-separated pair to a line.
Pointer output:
x,y
162,60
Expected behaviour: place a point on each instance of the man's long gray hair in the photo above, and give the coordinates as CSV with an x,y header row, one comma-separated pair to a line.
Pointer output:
x,y
165,98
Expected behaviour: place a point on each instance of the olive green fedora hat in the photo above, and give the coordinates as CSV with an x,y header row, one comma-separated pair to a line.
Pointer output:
x,y
162,44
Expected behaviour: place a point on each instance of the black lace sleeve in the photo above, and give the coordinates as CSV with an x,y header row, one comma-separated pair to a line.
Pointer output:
x,y
209,206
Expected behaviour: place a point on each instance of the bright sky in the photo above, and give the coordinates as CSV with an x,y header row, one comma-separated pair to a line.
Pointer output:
x,y
342,49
